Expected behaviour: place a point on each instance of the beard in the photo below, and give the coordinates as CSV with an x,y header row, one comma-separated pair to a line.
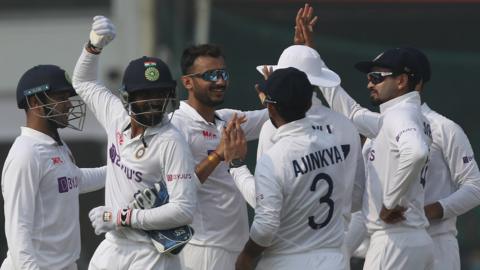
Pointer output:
x,y
207,100
148,119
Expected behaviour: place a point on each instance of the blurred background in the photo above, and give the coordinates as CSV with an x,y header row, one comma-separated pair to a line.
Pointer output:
x,y
251,33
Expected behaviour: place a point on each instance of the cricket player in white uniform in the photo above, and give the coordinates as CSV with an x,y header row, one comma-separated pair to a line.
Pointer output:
x,y
40,180
309,61
452,179
399,150
300,184
220,220
144,149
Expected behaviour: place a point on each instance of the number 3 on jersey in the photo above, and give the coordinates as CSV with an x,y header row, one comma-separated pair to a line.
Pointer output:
x,y
324,199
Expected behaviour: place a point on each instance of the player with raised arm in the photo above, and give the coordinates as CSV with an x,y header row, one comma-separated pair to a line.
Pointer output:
x,y
145,154
220,220
452,178
399,151
40,180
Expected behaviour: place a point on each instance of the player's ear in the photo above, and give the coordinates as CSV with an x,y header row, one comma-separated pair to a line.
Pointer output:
x,y
402,81
187,82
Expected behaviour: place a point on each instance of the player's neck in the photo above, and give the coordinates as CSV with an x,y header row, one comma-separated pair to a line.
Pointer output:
x,y
136,128
42,125
206,112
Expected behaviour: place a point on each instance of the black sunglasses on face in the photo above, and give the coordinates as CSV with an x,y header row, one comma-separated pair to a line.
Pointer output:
x,y
212,75
377,77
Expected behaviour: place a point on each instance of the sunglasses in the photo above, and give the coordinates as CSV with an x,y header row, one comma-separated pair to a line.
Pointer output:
x,y
377,77
212,75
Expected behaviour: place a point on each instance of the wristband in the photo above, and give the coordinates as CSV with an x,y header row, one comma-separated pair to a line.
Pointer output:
x,y
124,217
92,49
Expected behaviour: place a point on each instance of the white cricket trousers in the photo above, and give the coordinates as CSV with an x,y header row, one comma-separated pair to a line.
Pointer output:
x,y
195,257
400,249
325,258
445,252
116,254
8,265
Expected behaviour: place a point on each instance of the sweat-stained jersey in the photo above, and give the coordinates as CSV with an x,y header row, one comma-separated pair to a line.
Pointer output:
x,y
220,218
40,188
135,164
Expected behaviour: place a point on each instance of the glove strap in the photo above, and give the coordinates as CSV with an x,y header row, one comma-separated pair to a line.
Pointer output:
x,y
124,217
92,49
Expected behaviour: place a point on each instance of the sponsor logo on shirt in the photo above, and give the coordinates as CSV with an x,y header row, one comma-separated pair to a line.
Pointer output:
x,y
120,139
178,176
129,173
397,138
66,183
467,159
57,160
209,135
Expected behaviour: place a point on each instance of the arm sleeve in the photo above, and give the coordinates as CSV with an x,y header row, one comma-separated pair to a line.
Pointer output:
x,y
92,179
254,123
366,121
413,150
245,183
21,179
269,194
464,171
357,232
181,181
265,138
98,98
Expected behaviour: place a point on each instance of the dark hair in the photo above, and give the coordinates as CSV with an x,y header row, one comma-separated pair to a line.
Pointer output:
x,y
290,114
413,80
191,53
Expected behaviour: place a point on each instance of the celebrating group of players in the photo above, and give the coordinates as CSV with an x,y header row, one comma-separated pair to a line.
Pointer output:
x,y
177,187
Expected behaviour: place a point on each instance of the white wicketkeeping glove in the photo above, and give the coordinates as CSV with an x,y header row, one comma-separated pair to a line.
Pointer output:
x,y
103,31
104,219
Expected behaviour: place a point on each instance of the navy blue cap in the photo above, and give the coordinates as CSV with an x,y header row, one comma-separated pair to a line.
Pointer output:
x,y
425,69
147,73
42,78
289,87
399,60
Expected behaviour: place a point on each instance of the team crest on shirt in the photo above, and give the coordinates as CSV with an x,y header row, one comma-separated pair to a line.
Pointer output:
x,y
140,152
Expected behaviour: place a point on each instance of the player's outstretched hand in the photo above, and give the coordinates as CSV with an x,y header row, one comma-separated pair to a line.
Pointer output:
x,y
235,142
103,31
392,216
304,23
105,219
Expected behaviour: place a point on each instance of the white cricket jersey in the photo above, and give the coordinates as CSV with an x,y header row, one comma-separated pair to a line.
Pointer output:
x,y
452,175
40,187
399,150
338,125
301,183
134,164
220,219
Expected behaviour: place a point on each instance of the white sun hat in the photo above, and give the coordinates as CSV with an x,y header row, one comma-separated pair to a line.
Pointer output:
x,y
309,61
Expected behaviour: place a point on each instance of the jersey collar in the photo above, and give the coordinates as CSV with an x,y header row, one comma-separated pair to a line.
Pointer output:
x,y
425,108
411,97
294,128
44,138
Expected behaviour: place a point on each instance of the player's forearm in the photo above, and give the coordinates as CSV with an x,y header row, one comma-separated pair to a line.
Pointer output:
x,y
86,68
207,166
93,179
167,216
366,121
461,201
245,182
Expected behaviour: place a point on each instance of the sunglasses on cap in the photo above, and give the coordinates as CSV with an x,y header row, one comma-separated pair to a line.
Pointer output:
x,y
377,77
212,75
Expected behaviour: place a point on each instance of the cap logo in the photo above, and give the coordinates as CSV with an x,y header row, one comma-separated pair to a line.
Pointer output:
x,y
152,74
378,56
